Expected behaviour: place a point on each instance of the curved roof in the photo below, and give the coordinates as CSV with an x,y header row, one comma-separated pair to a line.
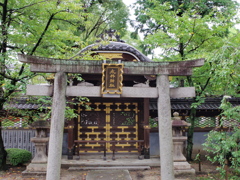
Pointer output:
x,y
116,47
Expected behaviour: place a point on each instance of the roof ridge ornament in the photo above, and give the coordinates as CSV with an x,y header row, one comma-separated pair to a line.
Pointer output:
x,y
110,35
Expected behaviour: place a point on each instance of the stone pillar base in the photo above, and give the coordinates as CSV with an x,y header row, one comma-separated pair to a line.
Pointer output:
x,y
70,154
185,173
183,168
35,170
146,153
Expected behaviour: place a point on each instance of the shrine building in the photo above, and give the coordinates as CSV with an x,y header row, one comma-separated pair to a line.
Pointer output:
x,y
119,92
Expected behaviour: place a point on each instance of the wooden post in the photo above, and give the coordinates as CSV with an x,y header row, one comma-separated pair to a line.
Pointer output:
x,y
57,126
146,129
70,138
165,128
70,135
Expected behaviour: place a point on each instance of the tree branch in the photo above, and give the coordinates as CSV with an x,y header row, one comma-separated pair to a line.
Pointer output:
x,y
21,70
193,49
43,33
207,82
96,24
193,30
12,47
65,21
175,49
7,76
14,10
40,38
205,86
13,82
13,79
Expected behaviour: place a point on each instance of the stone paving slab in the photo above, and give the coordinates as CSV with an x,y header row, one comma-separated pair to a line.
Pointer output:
x,y
110,168
108,175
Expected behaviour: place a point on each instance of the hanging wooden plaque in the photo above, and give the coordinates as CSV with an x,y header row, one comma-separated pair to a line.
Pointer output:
x,y
112,77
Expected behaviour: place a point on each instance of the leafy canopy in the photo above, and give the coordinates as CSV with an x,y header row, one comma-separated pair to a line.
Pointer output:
x,y
181,27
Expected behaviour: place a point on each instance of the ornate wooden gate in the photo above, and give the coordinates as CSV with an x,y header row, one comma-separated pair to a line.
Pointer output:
x,y
109,122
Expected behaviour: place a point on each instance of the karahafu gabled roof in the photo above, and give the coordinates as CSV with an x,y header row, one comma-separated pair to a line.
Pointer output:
x,y
115,47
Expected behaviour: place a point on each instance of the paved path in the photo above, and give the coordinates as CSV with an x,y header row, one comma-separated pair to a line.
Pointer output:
x,y
108,175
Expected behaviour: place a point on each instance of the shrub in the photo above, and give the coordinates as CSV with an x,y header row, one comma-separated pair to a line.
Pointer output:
x,y
225,145
18,156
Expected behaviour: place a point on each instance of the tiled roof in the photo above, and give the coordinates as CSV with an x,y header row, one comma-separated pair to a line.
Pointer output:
x,y
25,106
24,103
176,104
153,106
116,47
184,104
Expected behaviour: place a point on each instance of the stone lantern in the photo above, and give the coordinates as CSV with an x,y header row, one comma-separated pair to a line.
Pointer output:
x,y
181,166
38,165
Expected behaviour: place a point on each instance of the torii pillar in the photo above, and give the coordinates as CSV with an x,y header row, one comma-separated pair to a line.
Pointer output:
x,y
165,128
60,91
57,126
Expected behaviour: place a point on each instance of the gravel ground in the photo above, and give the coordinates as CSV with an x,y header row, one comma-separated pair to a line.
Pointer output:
x,y
152,174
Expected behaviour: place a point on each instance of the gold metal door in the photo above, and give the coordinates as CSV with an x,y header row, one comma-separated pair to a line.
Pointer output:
x,y
110,123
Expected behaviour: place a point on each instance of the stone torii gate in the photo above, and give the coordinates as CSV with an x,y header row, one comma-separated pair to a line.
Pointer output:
x,y
60,90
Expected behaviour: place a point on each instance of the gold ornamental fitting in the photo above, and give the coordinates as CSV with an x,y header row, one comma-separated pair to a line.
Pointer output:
x,y
146,127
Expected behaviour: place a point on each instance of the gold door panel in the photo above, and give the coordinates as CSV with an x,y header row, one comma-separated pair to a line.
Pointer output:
x,y
110,122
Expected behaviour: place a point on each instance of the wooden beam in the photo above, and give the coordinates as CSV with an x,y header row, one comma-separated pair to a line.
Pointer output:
x,y
48,65
95,91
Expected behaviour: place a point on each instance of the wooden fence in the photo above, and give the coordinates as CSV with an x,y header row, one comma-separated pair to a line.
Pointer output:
x,y
19,138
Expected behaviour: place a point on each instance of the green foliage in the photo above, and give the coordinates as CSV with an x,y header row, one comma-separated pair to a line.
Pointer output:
x,y
153,122
18,156
108,14
50,29
199,101
181,36
188,29
70,112
202,8
43,112
224,146
221,68
129,119
54,28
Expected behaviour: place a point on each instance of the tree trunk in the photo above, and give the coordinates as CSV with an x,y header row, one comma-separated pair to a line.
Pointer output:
x,y
3,153
190,134
3,50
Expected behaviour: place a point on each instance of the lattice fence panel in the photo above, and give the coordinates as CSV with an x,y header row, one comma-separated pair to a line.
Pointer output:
x,y
228,123
203,122
12,121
